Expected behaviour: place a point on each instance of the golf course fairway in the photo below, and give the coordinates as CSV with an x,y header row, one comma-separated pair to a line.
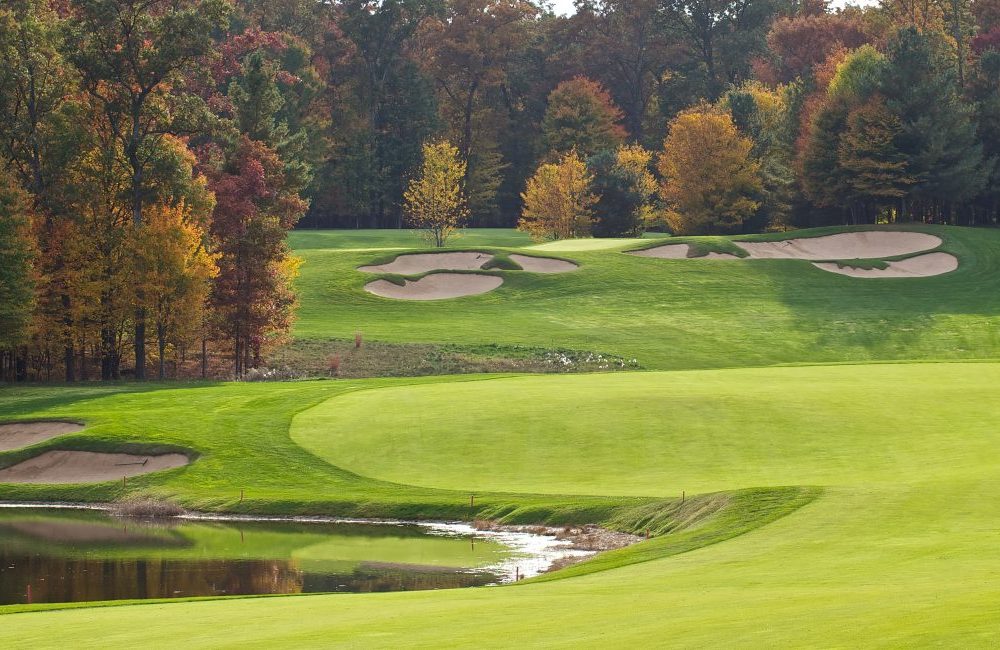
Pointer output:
x,y
791,501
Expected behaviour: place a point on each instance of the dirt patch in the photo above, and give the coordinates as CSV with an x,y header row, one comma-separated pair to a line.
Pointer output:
x,y
14,435
843,246
417,263
54,467
543,264
920,266
437,286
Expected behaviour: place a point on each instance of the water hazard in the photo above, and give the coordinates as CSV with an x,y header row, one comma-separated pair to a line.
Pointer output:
x,y
49,556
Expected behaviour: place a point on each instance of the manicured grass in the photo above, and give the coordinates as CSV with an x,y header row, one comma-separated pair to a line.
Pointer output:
x,y
681,314
830,506
897,550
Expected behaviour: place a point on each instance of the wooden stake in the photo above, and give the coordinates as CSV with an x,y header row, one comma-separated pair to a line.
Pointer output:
x,y
682,496
241,495
472,501
29,595
123,481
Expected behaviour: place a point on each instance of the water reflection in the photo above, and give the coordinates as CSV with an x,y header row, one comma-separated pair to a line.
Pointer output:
x,y
85,556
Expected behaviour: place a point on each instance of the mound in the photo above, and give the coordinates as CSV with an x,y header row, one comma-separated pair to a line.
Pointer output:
x,y
437,286
843,246
543,264
87,467
14,435
920,266
423,262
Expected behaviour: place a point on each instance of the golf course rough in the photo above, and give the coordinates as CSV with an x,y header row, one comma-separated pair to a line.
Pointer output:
x,y
844,505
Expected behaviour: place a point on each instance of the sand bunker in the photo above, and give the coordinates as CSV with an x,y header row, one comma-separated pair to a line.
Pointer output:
x,y
543,264
14,435
920,266
418,263
843,246
437,286
680,252
87,467
668,252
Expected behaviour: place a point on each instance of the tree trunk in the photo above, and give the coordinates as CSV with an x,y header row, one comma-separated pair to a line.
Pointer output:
x,y
204,358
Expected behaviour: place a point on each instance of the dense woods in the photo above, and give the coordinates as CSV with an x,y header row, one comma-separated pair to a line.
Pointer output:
x,y
156,152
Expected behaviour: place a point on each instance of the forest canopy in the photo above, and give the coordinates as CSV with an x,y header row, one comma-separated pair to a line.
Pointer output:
x,y
156,152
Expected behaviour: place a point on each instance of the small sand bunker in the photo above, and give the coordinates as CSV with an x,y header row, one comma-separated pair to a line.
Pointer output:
x,y
843,246
417,263
680,252
921,266
543,264
668,252
14,435
437,286
87,467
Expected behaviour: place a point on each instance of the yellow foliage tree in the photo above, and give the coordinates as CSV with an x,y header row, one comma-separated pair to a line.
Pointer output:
x,y
635,161
435,202
558,200
175,270
710,179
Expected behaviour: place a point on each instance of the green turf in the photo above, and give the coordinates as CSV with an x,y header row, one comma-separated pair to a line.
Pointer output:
x,y
681,314
825,505
898,550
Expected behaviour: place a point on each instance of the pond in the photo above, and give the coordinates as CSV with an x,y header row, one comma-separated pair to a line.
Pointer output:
x,y
70,555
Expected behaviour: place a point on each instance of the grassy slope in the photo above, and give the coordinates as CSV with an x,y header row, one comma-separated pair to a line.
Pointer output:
x,y
680,314
897,551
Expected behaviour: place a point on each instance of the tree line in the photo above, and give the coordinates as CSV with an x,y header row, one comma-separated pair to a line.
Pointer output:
x,y
156,152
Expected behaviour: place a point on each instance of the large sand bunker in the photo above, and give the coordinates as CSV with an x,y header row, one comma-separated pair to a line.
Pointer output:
x,y
417,263
920,266
87,467
14,435
437,286
843,246
543,264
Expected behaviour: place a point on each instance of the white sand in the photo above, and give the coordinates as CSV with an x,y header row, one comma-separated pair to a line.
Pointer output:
x,y
437,286
543,264
712,255
843,246
417,263
14,435
921,266
87,467
668,252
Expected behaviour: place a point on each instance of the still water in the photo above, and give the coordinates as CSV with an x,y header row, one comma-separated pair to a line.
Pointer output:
x,y
74,555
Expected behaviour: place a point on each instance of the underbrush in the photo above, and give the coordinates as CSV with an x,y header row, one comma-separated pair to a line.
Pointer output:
x,y
311,358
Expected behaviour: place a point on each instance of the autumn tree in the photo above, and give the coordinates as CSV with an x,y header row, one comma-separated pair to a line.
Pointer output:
x,y
176,267
558,200
470,49
435,202
710,182
581,116
797,44
131,54
252,296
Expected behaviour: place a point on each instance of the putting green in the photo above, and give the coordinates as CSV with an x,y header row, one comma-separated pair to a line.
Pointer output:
x,y
660,433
